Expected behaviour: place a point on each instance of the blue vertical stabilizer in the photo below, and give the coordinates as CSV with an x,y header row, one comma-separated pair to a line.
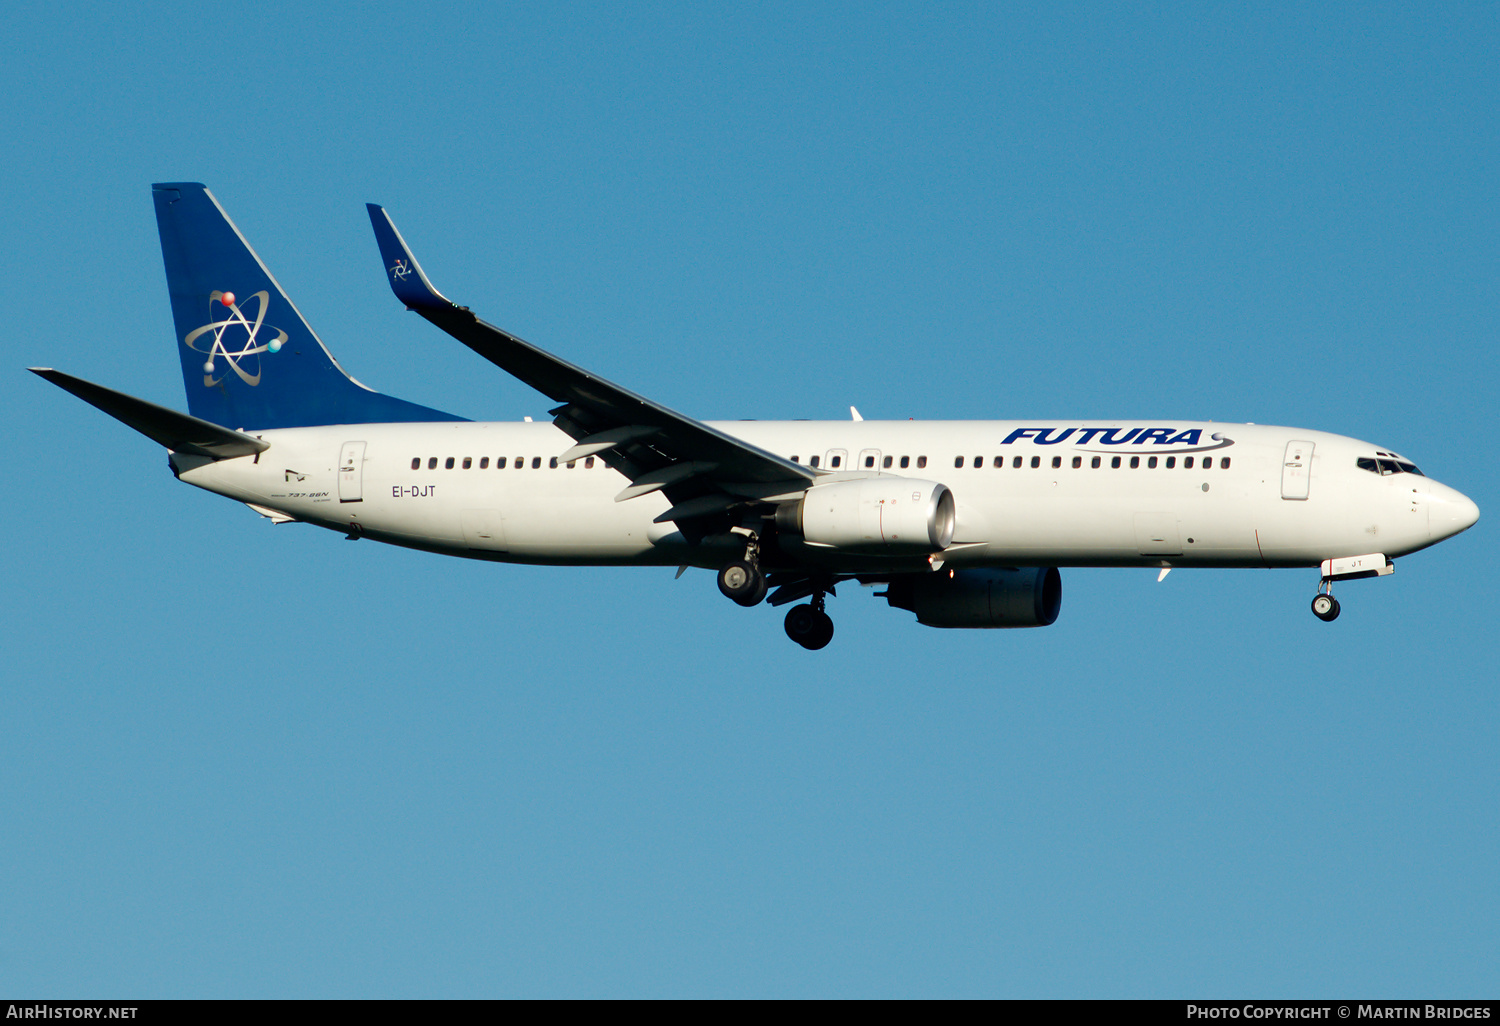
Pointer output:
x,y
249,360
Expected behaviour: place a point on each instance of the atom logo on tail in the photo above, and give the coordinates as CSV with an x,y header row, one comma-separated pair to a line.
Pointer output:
x,y
248,346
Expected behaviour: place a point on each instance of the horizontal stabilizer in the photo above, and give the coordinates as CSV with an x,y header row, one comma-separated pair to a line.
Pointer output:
x,y
177,431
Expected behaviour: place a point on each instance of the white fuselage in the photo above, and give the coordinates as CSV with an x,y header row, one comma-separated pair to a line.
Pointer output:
x,y
1043,515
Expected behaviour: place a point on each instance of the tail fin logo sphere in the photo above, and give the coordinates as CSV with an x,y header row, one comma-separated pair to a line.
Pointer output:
x,y
225,334
400,269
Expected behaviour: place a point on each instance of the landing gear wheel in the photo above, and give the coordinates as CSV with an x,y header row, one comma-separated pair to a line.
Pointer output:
x,y
809,627
1325,607
743,582
801,622
824,633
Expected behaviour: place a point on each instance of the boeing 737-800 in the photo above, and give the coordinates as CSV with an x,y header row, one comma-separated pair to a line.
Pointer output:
x,y
965,523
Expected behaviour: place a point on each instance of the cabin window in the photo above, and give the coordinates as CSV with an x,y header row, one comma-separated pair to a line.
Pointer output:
x,y
886,463
1135,462
1077,462
1171,462
432,463
1187,464
416,464
448,463
999,462
468,463
905,462
1016,463
869,461
1151,463
796,459
834,463
1115,462
958,461
1224,463
921,462
499,462
812,461
484,463
978,462
1036,461
1208,463
1095,462
588,464
552,463
572,464
520,462
536,463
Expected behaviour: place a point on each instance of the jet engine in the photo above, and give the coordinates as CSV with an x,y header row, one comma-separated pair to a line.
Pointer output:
x,y
1028,597
887,516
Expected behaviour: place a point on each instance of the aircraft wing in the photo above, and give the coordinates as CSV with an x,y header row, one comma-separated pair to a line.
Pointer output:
x,y
703,471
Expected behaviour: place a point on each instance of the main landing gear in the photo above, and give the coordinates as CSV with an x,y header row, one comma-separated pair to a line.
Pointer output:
x,y
743,580
808,625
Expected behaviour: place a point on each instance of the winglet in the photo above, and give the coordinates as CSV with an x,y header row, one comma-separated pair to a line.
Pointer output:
x,y
407,280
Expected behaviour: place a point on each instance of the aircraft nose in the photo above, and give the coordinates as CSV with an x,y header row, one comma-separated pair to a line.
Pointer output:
x,y
1450,511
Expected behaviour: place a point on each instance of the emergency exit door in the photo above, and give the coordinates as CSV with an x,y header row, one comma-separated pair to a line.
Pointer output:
x,y
351,472
1296,470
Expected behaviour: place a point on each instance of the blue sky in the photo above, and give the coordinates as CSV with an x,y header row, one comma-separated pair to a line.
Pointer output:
x,y
246,760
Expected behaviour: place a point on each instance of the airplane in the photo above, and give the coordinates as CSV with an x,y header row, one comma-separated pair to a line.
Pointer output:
x,y
964,523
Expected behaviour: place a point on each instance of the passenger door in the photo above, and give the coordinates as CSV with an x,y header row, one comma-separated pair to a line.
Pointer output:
x,y
352,472
1296,470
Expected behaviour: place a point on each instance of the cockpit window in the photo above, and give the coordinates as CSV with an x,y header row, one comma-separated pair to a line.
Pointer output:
x,y
1385,468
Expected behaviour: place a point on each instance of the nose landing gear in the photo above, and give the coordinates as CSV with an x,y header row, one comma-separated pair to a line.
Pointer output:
x,y
1325,607
1346,568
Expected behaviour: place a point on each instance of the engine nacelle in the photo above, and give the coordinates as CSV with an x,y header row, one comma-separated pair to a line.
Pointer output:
x,y
1029,597
879,515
